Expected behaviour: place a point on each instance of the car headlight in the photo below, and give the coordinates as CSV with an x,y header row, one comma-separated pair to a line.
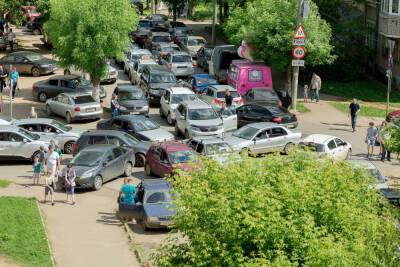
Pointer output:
x,y
122,108
152,219
146,107
87,174
193,128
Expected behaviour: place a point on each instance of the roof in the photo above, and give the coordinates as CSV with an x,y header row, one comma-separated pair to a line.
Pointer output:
x,y
203,75
158,68
38,120
7,128
99,147
174,146
222,87
191,104
168,45
195,37
155,184
160,34
263,125
104,132
318,138
128,87
77,94
24,53
181,90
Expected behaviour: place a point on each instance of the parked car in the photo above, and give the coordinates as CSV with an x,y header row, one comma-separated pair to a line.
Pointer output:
x,y
176,24
131,57
203,56
138,126
18,143
163,158
140,35
263,137
58,84
131,99
180,63
27,62
170,100
159,20
136,72
153,207
213,147
154,80
156,37
262,96
98,164
180,35
244,75
327,146
393,115
161,50
74,107
199,82
192,44
110,76
221,59
228,116
197,118
119,138
371,170
49,129
215,95
250,113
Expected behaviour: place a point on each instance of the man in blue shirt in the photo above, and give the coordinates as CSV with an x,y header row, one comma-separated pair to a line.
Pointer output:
x,y
14,77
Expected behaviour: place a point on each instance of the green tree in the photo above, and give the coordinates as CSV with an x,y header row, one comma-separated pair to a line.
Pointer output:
x,y
280,211
391,136
85,33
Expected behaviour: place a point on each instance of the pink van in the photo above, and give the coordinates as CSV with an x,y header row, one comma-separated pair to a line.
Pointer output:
x,y
244,75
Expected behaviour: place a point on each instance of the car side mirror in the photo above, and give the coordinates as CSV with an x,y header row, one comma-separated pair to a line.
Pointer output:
x,y
25,140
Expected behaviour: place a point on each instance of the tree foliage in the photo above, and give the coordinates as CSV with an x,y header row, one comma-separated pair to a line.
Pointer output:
x,y
269,25
85,33
392,136
280,211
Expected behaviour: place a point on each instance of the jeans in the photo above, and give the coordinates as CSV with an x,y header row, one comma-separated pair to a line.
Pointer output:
x,y
14,88
114,113
11,43
353,121
315,95
385,154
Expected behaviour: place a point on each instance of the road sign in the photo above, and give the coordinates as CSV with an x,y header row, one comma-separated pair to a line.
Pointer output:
x,y
301,42
300,33
299,52
297,63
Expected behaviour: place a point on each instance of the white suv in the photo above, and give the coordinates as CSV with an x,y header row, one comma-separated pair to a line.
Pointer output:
x,y
197,118
170,100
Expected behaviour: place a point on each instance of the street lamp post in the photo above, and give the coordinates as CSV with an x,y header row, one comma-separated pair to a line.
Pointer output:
x,y
391,45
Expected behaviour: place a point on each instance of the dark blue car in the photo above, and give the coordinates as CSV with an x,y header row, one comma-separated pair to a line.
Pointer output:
x,y
199,82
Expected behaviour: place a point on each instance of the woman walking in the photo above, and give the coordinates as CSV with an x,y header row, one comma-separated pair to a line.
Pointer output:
x,y
70,184
14,79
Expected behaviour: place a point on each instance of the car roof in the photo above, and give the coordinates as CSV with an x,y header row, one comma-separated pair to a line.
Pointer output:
x,y
155,184
158,68
33,120
180,90
78,94
104,132
132,118
100,147
263,125
160,34
196,37
191,104
23,53
171,146
203,75
168,45
179,53
318,138
6,128
63,77
247,64
222,87
141,52
128,87
147,61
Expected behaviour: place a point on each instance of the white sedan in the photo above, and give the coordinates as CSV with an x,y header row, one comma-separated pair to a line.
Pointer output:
x,y
328,146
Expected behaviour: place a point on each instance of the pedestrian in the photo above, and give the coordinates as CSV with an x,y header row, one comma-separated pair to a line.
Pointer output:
x,y
228,98
385,151
315,86
52,162
3,77
41,155
370,139
127,193
69,178
14,78
354,108
49,187
120,196
37,168
305,93
32,114
381,131
114,106
11,39
57,148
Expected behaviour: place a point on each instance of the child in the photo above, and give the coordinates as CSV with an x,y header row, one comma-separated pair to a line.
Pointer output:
x,y
70,184
49,187
370,139
37,167
305,93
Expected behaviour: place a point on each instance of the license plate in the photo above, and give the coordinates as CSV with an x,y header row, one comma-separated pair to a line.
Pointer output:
x,y
90,109
182,67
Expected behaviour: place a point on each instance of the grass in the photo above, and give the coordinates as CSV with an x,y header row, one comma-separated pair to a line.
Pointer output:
x,y
365,111
4,183
301,108
202,11
22,235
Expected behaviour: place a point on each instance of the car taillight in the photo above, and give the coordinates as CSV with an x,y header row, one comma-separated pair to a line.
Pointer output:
x,y
170,66
77,109
277,119
239,101
217,101
34,88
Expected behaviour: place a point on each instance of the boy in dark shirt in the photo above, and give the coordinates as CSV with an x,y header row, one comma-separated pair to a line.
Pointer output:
x,y
354,108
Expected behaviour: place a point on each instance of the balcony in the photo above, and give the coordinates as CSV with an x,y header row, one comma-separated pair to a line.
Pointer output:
x,y
389,25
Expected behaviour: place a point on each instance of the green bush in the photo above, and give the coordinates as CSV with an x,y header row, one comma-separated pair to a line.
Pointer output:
x,y
280,211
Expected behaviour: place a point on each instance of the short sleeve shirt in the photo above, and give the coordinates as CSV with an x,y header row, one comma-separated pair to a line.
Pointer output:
x,y
372,132
129,193
51,159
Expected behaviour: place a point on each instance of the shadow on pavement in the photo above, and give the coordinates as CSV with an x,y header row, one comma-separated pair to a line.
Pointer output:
x,y
139,229
108,218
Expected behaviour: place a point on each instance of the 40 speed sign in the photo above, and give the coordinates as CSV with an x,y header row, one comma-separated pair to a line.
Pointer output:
x,y
299,52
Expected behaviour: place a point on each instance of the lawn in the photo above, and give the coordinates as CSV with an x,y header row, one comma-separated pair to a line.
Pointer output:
x,y
22,235
202,11
366,111
301,108
4,183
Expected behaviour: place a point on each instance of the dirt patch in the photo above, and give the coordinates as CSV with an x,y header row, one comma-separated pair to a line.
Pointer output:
x,y
7,263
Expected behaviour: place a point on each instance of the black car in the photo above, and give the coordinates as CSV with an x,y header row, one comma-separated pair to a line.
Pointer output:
x,y
156,37
203,56
131,99
29,63
154,80
250,113
262,97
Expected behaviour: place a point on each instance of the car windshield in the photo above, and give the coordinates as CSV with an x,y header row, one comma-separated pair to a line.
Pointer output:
x,y
246,132
61,126
134,95
312,146
144,23
218,148
195,42
129,140
181,59
202,114
34,57
87,158
201,81
28,134
176,99
264,94
80,82
276,110
145,125
163,78
153,197
161,39
170,48
222,94
181,156
83,99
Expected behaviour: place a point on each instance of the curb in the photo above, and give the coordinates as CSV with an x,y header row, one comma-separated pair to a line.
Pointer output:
x,y
140,257
53,262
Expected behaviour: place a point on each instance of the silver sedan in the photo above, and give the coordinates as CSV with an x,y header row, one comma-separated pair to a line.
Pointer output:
x,y
74,107
263,137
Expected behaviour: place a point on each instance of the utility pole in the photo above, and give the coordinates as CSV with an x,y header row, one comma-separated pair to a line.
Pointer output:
x,y
214,21
153,6
391,45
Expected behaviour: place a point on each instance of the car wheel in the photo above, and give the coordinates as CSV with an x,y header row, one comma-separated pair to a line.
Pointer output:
x,y
68,117
97,182
245,151
42,97
348,156
35,72
288,148
169,119
147,169
69,147
128,169
161,113
187,135
177,132
48,110
67,72
139,160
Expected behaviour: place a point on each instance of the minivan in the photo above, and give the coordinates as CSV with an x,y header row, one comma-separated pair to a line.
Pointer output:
x,y
244,75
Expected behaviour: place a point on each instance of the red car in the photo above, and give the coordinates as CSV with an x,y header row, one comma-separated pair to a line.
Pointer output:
x,y
393,115
163,158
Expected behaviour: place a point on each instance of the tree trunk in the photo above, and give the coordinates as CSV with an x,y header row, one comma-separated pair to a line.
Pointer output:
x,y
288,84
226,10
96,88
221,17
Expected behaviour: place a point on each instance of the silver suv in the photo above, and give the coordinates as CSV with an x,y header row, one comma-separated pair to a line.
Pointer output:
x,y
18,143
170,100
180,63
197,118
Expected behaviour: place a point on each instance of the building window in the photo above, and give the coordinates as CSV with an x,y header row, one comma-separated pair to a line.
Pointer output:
x,y
391,7
395,52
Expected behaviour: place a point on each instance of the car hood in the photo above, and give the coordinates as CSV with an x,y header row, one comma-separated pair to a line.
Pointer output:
x,y
183,166
236,142
194,48
133,103
157,135
160,85
159,209
214,122
45,61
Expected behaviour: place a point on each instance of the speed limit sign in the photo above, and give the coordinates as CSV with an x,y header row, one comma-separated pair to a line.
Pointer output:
x,y
299,52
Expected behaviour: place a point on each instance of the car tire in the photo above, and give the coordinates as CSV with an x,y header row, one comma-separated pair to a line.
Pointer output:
x,y
288,148
97,182
169,119
67,72
162,115
187,135
177,132
147,169
68,117
139,160
128,169
42,97
35,71
48,110
348,156
69,147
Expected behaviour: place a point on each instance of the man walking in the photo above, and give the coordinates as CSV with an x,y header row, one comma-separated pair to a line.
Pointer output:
x,y
11,39
315,86
354,108
14,78
3,76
